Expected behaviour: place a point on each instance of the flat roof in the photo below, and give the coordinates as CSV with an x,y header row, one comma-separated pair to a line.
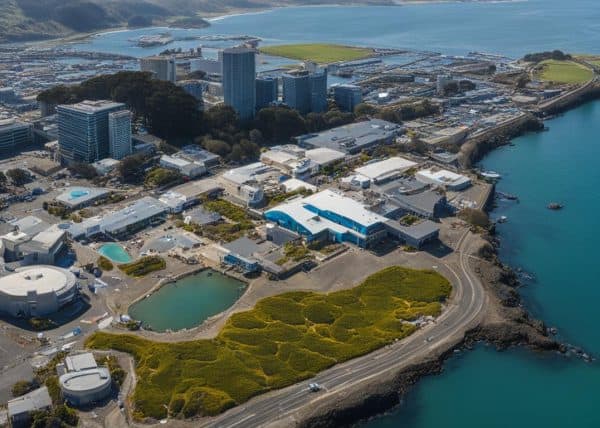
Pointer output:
x,y
324,155
441,176
41,279
75,196
246,173
48,238
35,400
417,231
31,225
80,362
141,209
295,184
197,188
385,168
85,380
91,107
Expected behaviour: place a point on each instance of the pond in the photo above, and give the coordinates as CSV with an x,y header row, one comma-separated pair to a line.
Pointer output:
x,y
115,252
187,302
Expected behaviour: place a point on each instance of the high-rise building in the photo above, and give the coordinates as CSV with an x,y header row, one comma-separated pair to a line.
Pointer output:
x,y
83,131
306,92
119,134
239,75
162,67
347,97
266,91
14,134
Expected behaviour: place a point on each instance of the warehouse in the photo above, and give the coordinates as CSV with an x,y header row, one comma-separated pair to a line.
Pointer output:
x,y
443,178
36,291
385,170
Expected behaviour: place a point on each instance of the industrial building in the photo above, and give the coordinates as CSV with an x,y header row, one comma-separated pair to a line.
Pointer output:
x,y
161,67
36,291
21,408
247,182
81,381
14,134
443,178
183,166
195,153
451,135
239,75
119,134
266,91
353,138
305,92
83,130
347,97
385,170
119,224
44,248
75,198
330,216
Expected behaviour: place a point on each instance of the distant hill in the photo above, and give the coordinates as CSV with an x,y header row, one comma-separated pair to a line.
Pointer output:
x,y
24,20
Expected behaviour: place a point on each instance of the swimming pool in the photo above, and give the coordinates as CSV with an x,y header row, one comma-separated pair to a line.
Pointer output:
x,y
115,252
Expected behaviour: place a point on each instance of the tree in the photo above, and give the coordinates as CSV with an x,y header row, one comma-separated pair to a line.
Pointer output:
x,y
279,124
3,181
218,147
131,169
84,170
363,109
18,176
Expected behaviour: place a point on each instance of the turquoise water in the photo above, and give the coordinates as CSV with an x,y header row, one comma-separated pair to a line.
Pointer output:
x,y
188,302
519,388
115,252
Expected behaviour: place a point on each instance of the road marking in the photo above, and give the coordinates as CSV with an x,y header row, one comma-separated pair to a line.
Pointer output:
x,y
242,420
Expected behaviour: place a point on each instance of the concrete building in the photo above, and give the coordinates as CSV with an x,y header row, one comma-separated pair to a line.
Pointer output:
x,y
183,166
347,97
14,134
45,247
443,178
84,382
246,183
415,235
266,91
119,134
195,153
105,166
451,135
291,160
36,291
330,216
442,81
239,75
323,156
161,67
207,65
305,92
76,198
83,130
353,138
385,170
21,408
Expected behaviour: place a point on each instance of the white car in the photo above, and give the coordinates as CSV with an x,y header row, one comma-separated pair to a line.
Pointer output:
x,y
314,387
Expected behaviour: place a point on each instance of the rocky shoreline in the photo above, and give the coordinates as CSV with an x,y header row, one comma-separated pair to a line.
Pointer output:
x,y
506,324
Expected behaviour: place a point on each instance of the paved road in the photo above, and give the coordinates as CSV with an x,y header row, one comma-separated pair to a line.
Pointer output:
x,y
279,408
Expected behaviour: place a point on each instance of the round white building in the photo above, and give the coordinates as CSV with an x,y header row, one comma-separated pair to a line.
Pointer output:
x,y
86,386
36,291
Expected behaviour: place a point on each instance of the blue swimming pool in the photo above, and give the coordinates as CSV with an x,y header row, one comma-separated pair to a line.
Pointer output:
x,y
79,193
115,252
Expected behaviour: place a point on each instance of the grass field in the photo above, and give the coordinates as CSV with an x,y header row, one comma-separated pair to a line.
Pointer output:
x,y
321,53
283,340
564,72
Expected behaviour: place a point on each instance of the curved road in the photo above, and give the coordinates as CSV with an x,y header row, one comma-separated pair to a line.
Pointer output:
x,y
280,407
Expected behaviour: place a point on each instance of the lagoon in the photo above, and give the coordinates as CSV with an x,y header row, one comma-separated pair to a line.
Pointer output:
x,y
188,302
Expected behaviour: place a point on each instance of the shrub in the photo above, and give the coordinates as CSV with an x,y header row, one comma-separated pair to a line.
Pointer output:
x,y
105,264
143,266
22,387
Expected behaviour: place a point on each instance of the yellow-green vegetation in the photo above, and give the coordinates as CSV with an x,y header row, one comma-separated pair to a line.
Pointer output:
x,y
105,264
143,266
564,72
321,53
293,252
227,232
281,197
161,177
283,340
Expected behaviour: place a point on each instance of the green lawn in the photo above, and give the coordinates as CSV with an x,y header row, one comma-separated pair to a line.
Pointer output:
x,y
564,72
321,53
283,340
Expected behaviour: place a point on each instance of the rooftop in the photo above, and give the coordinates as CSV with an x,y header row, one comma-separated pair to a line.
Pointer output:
x,y
85,380
40,279
35,400
75,196
324,156
247,173
31,225
91,107
80,362
441,176
385,169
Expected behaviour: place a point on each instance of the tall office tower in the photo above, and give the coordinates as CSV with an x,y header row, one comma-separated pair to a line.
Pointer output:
x,y
119,134
347,97
83,130
266,91
306,92
162,67
14,134
239,75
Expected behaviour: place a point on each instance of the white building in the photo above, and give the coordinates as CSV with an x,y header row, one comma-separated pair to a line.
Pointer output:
x,y
119,134
443,178
84,382
161,67
323,156
36,291
20,408
183,166
385,170
247,183
45,247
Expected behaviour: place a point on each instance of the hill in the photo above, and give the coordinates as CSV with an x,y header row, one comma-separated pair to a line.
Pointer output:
x,y
25,20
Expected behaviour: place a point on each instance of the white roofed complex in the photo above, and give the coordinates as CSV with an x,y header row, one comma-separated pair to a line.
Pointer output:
x,y
444,178
386,170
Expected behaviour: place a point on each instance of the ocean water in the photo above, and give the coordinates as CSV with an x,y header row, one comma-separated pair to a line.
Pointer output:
x,y
484,388
188,302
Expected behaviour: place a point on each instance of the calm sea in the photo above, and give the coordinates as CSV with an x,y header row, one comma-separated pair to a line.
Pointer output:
x,y
484,388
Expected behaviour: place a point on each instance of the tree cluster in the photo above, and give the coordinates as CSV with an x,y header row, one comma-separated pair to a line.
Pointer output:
x,y
542,56
165,108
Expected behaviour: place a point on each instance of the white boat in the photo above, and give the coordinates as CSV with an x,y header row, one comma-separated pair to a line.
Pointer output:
x,y
502,219
490,174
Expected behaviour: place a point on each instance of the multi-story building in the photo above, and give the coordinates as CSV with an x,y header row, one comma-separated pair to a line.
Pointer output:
x,y
193,87
239,75
83,130
347,97
119,134
266,91
162,67
305,92
14,134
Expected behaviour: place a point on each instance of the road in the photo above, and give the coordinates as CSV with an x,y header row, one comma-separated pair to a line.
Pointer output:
x,y
281,407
